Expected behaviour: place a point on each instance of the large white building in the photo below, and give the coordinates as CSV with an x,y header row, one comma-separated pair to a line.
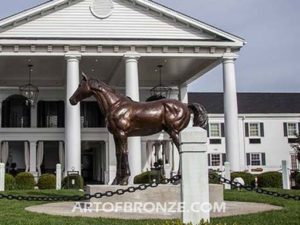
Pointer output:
x,y
120,42
268,123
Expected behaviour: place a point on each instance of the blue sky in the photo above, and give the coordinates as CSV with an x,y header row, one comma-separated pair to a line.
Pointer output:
x,y
268,63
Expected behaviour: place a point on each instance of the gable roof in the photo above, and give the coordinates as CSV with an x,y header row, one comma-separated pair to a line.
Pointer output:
x,y
250,103
54,5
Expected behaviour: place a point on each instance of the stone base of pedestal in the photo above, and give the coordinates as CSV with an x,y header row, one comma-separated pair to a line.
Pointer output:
x,y
160,194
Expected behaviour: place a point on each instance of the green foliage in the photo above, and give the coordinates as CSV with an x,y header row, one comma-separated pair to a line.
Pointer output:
x,y
247,177
148,177
213,177
10,182
25,181
47,181
78,182
270,179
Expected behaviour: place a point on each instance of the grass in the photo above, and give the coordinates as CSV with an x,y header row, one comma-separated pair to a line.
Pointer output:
x,y
12,212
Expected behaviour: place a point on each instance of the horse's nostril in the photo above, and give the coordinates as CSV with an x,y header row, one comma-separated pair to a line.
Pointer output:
x,y
72,101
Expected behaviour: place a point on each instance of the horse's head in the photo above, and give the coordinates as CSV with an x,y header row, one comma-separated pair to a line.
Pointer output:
x,y
83,91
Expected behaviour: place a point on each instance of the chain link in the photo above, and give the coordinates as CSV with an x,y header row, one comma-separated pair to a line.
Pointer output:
x,y
98,195
173,180
257,190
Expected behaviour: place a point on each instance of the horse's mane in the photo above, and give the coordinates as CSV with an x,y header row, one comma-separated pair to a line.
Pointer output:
x,y
96,84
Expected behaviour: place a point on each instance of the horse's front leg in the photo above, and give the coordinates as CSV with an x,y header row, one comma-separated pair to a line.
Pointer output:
x,y
125,163
119,161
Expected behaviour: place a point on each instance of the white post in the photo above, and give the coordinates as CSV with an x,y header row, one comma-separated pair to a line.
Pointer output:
x,y
58,176
2,176
231,113
183,94
132,91
227,174
285,176
72,116
194,184
32,153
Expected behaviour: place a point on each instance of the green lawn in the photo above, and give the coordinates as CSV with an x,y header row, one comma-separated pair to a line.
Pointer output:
x,y
12,212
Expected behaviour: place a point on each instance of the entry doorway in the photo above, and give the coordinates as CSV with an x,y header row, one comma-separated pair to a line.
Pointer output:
x,y
93,162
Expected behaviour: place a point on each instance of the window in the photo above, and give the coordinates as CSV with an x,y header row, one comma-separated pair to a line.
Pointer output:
x,y
90,115
294,162
51,113
256,159
254,130
215,130
291,129
215,159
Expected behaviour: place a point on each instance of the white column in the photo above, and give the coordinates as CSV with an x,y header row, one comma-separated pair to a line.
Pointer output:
x,y
58,176
285,175
2,176
32,149
33,116
132,91
227,174
231,114
194,184
72,116
183,93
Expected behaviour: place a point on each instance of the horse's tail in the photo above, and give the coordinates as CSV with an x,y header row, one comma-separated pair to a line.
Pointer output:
x,y
200,115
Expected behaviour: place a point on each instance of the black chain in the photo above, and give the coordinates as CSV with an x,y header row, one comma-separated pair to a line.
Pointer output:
x,y
256,189
173,180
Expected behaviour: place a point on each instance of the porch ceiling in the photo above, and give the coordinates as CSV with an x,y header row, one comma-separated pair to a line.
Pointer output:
x,y
50,71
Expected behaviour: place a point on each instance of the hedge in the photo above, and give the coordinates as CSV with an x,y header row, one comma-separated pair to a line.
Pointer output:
x,y
25,181
79,183
10,182
248,178
148,177
47,181
270,179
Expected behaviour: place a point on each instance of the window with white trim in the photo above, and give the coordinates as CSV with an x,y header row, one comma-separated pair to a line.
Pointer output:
x,y
254,130
214,130
215,159
255,159
291,129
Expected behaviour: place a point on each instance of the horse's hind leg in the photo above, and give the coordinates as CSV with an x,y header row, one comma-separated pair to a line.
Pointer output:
x,y
119,161
175,138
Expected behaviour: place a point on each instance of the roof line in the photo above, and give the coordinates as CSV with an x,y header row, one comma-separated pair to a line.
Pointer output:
x,y
145,3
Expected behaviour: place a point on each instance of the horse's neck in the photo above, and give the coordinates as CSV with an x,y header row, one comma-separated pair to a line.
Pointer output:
x,y
106,99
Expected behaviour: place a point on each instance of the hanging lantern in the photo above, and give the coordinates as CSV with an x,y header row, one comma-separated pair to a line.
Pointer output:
x,y
160,91
29,91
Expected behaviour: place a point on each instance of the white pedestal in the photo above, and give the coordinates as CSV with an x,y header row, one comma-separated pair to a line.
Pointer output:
x,y
2,176
194,184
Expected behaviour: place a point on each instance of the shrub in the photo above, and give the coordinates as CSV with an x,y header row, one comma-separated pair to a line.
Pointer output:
x,y
10,182
248,178
270,179
78,184
148,177
47,181
213,177
297,180
25,181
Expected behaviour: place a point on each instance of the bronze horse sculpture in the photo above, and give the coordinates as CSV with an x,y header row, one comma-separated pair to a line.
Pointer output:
x,y
127,118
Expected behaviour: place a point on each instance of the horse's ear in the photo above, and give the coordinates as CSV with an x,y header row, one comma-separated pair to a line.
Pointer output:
x,y
84,77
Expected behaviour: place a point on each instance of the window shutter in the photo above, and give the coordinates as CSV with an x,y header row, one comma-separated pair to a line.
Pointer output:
x,y
248,159
285,129
222,130
247,129
207,128
262,130
223,158
61,114
208,157
298,128
263,159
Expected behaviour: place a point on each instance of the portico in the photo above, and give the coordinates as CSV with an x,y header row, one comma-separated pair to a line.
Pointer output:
x,y
127,60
